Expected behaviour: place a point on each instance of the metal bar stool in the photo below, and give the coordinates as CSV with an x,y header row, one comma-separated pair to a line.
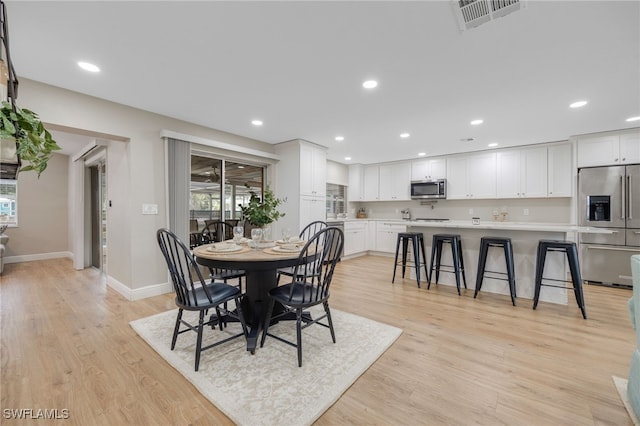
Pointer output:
x,y
505,243
417,243
458,260
574,266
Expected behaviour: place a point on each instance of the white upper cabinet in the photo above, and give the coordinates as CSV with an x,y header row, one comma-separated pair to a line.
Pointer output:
x,y
395,182
371,183
300,177
471,176
313,170
429,169
609,149
522,173
630,148
355,189
560,170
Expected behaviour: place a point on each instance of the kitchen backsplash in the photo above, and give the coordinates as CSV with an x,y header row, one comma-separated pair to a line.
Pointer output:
x,y
550,210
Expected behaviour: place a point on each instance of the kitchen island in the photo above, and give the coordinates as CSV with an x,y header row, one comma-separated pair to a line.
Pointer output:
x,y
524,237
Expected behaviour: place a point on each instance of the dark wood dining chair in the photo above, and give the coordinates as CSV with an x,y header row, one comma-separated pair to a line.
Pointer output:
x,y
194,234
193,293
216,231
307,232
310,286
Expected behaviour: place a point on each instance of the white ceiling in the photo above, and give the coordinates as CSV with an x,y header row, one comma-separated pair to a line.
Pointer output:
x,y
299,66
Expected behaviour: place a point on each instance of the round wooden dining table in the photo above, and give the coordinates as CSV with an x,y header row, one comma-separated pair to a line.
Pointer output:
x,y
261,266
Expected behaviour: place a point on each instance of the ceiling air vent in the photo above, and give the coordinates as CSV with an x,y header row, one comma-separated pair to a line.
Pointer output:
x,y
471,13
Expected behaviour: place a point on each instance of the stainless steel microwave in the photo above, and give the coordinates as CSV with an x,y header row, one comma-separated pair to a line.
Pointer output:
x,y
425,189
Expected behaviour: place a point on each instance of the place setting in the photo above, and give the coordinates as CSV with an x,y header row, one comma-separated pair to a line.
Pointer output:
x,y
287,244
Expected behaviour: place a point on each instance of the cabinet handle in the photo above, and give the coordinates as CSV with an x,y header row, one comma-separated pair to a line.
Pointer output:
x,y
624,159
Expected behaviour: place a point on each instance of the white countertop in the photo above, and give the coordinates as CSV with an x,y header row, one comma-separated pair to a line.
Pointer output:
x,y
514,226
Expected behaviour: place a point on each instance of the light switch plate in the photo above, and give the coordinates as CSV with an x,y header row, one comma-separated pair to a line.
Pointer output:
x,y
149,209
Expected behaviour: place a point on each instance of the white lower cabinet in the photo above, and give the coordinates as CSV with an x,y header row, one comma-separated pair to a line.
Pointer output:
x,y
387,236
311,209
355,237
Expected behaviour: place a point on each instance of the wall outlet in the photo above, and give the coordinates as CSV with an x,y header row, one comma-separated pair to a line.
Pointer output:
x,y
525,212
470,211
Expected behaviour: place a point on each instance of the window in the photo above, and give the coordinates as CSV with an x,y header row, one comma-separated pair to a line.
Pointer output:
x,y
8,202
212,200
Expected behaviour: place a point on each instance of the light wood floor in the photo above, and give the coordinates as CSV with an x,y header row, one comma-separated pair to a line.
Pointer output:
x,y
66,344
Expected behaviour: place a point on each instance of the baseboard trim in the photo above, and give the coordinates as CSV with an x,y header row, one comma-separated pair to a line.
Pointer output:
x,y
39,256
138,293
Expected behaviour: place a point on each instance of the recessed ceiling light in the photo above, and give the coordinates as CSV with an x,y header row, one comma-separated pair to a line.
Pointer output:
x,y
88,67
347,158
339,138
370,84
404,135
578,104
633,118
476,122
256,122
492,144
422,154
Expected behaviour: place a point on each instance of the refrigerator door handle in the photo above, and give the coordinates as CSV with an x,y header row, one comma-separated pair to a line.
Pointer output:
x,y
622,196
630,201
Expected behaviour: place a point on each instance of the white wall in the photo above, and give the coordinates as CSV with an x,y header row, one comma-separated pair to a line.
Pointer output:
x,y
135,171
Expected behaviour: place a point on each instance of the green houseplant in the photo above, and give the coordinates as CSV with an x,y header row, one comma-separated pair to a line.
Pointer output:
x,y
262,212
33,142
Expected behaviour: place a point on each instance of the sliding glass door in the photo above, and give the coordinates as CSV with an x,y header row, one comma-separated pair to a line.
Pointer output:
x,y
218,188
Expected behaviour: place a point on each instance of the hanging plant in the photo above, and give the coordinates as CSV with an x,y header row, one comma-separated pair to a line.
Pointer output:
x,y
262,212
34,143
22,134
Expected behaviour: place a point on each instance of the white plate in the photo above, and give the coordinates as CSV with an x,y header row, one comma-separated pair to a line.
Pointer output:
x,y
283,250
298,241
229,249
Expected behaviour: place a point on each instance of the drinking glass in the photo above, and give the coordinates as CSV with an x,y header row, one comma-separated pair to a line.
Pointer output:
x,y
286,235
256,236
238,233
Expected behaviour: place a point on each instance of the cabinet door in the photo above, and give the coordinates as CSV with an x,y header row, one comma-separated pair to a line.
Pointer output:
x,y
371,183
355,241
311,209
630,148
313,171
395,182
371,234
420,169
438,168
429,169
387,236
598,151
356,177
533,173
509,174
560,171
457,178
481,176
319,172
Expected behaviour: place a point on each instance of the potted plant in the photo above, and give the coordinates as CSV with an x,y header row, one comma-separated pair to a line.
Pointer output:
x,y
23,136
262,212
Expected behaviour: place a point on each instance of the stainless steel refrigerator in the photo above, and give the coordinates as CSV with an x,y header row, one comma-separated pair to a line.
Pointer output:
x,y
609,198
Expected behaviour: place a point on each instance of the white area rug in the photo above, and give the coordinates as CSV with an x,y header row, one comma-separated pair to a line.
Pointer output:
x,y
269,388
621,387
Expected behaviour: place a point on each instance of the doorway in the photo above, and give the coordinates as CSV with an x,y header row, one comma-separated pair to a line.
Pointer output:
x,y
97,212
